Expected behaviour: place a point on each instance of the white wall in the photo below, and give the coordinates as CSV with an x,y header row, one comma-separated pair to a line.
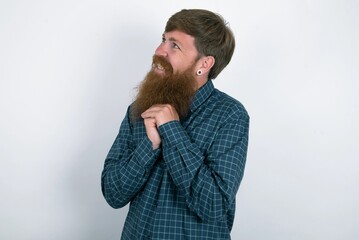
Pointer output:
x,y
68,71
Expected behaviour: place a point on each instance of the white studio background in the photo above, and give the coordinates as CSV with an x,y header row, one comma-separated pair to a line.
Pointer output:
x,y
68,70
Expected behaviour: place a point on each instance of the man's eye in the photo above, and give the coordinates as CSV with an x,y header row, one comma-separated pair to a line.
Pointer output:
x,y
163,39
174,45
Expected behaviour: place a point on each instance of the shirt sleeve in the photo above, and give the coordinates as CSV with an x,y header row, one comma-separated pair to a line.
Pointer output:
x,y
127,167
210,180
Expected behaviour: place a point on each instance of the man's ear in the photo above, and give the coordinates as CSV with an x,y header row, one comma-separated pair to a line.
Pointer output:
x,y
205,64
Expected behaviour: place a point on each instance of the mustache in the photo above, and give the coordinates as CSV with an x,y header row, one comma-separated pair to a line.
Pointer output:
x,y
161,62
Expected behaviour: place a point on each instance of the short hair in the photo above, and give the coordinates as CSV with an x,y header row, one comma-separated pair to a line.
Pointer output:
x,y
212,35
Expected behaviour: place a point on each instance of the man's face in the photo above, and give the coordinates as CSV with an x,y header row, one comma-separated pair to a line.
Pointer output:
x,y
171,79
179,50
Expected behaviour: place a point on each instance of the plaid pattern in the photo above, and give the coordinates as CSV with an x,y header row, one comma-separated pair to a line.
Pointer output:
x,y
185,189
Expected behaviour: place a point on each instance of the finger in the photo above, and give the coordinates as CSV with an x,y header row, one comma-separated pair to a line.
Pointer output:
x,y
152,111
148,114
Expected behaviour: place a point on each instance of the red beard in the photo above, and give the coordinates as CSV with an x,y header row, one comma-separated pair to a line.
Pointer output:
x,y
176,89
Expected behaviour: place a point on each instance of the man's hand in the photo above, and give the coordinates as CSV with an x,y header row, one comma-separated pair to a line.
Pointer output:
x,y
154,117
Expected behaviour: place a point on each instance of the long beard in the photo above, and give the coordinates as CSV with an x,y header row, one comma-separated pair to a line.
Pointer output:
x,y
170,88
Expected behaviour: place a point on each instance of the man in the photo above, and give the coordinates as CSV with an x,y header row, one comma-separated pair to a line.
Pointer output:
x,y
181,150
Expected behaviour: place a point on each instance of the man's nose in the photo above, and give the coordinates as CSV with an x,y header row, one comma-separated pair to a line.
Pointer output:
x,y
161,50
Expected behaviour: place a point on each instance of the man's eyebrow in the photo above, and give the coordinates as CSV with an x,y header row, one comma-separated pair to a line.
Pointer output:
x,y
172,39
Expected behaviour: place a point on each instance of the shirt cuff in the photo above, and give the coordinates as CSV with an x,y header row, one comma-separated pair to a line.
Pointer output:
x,y
172,133
145,155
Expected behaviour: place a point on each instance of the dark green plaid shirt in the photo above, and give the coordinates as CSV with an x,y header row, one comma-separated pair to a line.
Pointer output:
x,y
185,189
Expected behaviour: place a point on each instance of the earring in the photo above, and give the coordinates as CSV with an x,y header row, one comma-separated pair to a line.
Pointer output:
x,y
199,72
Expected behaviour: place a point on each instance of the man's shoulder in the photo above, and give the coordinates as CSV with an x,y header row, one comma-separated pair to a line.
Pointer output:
x,y
227,104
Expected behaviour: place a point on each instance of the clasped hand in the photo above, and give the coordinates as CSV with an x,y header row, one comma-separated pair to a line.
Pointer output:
x,y
154,117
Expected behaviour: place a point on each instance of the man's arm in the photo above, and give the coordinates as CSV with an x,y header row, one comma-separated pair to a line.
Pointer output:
x,y
126,167
208,182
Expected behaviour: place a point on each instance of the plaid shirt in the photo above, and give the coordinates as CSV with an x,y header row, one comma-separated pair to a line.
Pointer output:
x,y
185,189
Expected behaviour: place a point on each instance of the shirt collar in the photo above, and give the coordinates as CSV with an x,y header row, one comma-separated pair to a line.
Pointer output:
x,y
201,95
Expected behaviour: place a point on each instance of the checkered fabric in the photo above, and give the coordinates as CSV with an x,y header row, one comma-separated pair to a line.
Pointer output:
x,y
186,189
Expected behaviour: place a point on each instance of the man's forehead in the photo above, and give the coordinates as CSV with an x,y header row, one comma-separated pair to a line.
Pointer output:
x,y
179,37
